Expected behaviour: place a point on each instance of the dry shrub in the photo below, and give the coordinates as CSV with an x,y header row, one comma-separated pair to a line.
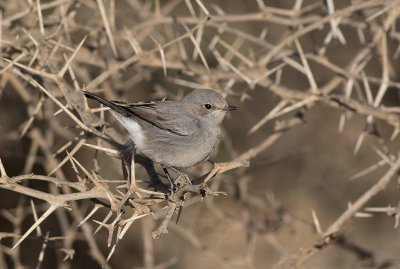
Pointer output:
x,y
316,82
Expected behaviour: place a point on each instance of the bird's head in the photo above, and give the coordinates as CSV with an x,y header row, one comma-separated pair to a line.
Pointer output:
x,y
208,104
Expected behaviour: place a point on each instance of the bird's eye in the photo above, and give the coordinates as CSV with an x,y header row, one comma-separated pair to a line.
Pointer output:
x,y
207,106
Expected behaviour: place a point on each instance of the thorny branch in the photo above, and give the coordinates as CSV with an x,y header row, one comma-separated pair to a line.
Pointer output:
x,y
49,55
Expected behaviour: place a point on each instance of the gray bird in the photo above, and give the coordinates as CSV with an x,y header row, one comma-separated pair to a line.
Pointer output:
x,y
176,134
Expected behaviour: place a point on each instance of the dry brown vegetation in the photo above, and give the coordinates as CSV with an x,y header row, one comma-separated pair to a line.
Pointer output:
x,y
317,85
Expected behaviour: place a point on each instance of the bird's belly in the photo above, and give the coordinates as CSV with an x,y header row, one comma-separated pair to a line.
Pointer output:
x,y
178,151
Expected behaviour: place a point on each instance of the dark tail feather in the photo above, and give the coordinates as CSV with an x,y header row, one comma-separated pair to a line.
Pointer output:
x,y
122,110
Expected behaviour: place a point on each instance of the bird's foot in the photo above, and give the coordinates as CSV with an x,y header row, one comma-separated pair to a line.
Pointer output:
x,y
176,183
182,179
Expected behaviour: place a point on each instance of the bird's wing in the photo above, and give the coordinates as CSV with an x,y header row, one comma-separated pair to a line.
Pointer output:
x,y
159,114
165,115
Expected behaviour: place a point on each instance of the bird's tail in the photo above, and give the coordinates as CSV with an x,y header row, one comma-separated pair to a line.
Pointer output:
x,y
120,109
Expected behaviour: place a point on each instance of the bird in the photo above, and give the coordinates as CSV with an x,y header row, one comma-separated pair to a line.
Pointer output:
x,y
176,134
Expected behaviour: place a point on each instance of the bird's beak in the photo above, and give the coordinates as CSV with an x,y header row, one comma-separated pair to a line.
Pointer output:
x,y
228,108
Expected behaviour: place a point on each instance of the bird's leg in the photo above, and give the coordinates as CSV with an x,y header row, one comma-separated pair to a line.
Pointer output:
x,y
148,164
171,184
180,208
186,177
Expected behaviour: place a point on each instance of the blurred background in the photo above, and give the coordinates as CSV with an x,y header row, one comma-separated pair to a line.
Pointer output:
x,y
316,83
